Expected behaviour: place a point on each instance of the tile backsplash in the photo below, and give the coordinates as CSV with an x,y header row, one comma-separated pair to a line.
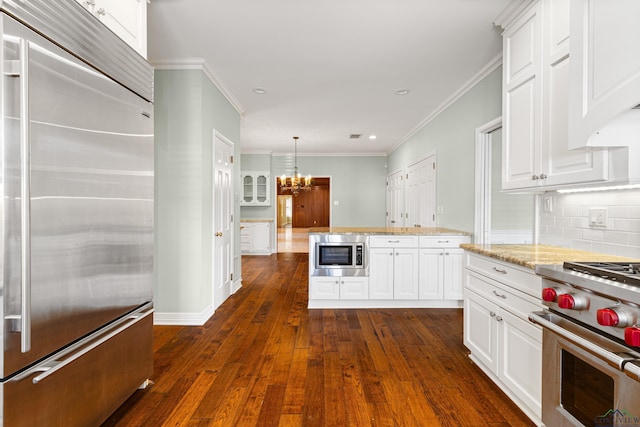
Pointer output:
x,y
568,223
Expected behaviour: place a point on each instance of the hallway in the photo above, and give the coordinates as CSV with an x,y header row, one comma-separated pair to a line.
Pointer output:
x,y
294,240
264,359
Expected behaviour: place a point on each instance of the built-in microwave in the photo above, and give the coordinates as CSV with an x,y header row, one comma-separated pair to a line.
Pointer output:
x,y
338,255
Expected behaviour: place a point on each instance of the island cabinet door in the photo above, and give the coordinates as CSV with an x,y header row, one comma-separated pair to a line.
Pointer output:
x,y
324,287
405,273
381,273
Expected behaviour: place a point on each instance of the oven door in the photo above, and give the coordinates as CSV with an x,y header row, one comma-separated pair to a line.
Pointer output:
x,y
583,377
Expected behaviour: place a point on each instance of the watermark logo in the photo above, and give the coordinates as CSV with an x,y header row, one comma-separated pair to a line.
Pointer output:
x,y
617,418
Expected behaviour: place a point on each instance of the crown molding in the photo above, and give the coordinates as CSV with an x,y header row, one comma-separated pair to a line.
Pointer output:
x,y
199,64
493,65
512,11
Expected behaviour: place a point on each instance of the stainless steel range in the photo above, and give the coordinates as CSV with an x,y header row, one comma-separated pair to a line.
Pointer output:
x,y
591,343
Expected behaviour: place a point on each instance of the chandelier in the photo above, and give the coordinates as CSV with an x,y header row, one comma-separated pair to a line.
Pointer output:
x,y
295,183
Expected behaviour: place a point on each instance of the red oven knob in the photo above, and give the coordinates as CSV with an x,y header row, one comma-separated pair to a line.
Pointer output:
x,y
550,294
632,336
607,317
572,302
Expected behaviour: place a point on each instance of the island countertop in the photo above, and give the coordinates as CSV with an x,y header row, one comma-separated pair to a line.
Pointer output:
x,y
392,231
531,255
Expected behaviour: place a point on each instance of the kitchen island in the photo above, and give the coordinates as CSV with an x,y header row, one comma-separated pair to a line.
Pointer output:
x,y
385,267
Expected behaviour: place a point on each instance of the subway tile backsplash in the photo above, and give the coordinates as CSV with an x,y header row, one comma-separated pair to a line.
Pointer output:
x,y
568,224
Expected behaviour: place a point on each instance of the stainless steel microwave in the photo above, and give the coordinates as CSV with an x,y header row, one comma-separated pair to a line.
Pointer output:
x,y
342,255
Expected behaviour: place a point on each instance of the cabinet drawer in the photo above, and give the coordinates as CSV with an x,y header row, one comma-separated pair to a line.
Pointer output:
x,y
519,278
442,241
393,241
516,302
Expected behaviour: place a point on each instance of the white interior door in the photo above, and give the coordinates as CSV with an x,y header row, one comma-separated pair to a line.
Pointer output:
x,y
395,199
421,193
222,219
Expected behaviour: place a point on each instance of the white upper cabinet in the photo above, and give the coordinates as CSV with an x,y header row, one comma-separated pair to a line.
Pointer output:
x,y
536,75
126,18
522,69
605,73
255,189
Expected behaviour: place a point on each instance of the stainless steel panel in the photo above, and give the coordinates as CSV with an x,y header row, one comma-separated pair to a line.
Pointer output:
x,y
83,391
76,30
89,204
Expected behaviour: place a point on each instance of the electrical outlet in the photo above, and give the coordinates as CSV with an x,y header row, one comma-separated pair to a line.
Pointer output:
x,y
598,217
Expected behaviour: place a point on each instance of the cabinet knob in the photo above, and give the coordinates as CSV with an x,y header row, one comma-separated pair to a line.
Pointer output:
x,y
219,234
535,177
101,11
543,176
498,318
492,313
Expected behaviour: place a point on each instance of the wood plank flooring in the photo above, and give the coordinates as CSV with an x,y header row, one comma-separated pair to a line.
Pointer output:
x,y
264,359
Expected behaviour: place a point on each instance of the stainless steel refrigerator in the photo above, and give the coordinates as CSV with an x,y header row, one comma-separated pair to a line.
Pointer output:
x,y
76,216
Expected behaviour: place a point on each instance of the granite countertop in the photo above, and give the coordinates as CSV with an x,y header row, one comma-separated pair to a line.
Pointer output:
x,y
394,231
531,255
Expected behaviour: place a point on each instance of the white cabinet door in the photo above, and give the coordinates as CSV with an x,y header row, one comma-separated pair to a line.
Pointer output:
x,y
480,329
431,274
605,67
354,288
381,273
521,102
452,278
126,18
561,165
405,273
255,189
520,366
261,237
324,287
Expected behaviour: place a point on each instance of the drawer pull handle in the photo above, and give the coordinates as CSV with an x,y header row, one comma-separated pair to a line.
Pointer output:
x,y
394,241
503,296
497,270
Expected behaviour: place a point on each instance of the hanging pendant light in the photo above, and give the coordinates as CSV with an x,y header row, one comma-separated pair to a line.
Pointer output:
x,y
295,183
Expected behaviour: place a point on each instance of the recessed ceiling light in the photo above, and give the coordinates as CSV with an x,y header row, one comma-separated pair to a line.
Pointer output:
x,y
259,90
402,91
372,137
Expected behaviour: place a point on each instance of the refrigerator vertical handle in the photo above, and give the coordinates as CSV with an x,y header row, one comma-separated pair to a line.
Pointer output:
x,y
25,208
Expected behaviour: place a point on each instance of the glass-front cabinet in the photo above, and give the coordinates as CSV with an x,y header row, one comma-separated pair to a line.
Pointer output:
x,y
255,189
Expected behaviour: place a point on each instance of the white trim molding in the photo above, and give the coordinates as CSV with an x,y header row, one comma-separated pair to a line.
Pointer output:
x,y
199,64
183,319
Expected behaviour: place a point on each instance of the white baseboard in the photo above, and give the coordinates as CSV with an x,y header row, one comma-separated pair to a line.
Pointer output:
x,y
183,319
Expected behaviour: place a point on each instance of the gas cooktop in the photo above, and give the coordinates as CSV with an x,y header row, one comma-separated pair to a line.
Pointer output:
x,y
621,272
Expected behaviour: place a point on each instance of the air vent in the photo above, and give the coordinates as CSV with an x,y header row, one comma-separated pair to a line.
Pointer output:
x,y
355,136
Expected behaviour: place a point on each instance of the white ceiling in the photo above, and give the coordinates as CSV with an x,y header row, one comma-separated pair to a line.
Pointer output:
x,y
330,68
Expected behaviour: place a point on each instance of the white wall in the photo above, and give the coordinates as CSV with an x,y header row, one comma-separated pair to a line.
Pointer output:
x,y
568,223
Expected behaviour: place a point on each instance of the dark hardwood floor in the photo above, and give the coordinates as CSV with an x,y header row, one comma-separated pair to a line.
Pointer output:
x,y
264,359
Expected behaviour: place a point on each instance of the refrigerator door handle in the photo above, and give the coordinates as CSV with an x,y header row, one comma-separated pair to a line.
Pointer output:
x,y
49,367
25,208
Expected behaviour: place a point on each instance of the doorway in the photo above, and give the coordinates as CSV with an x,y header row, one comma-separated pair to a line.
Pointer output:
x,y
297,213
500,217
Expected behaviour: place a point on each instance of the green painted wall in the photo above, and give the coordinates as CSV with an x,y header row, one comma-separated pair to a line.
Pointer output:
x,y
358,185
188,107
451,135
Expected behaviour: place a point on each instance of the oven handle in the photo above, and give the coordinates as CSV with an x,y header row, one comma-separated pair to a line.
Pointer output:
x,y
541,318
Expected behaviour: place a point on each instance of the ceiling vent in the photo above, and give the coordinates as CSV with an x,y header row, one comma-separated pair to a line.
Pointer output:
x,y
355,136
